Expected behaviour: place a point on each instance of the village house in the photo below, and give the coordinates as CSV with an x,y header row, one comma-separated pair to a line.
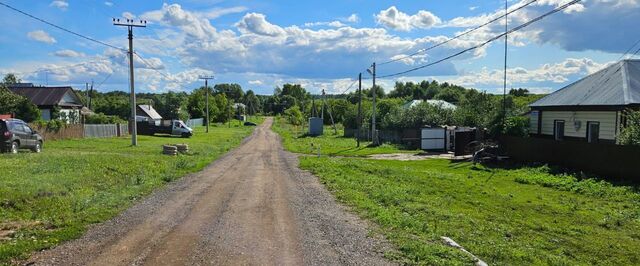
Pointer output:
x,y
64,100
591,109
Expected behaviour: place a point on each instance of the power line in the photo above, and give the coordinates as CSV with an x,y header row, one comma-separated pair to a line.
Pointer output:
x,y
349,88
457,36
61,28
556,10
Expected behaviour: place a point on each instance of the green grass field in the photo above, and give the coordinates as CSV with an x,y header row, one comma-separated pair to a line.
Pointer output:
x,y
51,197
523,216
295,140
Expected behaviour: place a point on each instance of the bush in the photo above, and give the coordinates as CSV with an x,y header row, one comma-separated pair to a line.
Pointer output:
x,y
100,118
294,116
424,114
517,126
630,135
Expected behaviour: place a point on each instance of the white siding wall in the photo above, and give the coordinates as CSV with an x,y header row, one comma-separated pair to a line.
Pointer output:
x,y
607,121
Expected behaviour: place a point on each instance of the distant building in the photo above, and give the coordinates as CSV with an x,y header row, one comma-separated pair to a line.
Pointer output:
x,y
591,109
146,112
48,99
439,103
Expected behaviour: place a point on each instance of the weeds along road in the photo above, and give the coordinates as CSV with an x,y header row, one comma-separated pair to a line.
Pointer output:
x,y
252,206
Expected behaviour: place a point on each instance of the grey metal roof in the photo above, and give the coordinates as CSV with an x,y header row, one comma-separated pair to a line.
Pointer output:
x,y
148,111
47,96
618,84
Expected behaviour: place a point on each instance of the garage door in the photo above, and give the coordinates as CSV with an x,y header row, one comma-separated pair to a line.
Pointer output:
x,y
433,139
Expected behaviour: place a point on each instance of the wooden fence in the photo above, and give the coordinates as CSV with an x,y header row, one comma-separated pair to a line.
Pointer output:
x,y
607,160
66,132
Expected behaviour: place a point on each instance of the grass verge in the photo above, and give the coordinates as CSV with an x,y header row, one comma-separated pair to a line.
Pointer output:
x,y
295,140
53,196
504,216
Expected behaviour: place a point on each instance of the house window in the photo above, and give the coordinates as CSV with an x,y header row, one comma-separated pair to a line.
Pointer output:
x,y
593,132
558,129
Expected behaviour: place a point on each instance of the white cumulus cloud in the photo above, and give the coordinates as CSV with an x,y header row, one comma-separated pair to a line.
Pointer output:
x,y
41,36
62,5
397,20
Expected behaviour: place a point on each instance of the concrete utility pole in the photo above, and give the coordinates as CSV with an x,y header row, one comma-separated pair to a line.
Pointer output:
x,y
506,42
372,71
206,88
130,24
359,122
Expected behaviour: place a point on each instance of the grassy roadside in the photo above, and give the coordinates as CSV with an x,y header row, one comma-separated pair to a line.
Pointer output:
x,y
506,217
51,197
520,216
331,144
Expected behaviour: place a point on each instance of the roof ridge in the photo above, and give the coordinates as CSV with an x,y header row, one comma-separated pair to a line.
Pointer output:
x,y
626,94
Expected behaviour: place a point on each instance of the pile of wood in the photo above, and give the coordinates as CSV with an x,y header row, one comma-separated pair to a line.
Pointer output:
x,y
173,150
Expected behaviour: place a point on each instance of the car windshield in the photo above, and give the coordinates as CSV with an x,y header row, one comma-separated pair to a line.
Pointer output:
x,y
3,126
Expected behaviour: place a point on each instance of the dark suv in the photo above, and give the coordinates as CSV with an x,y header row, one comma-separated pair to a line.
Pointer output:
x,y
16,134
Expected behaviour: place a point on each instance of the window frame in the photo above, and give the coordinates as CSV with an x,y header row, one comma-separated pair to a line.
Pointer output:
x,y
555,129
589,123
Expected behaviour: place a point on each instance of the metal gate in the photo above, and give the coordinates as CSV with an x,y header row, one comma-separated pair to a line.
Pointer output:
x,y
433,139
463,138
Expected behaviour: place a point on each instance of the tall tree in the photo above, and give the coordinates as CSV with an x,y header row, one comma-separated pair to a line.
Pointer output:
x,y
10,79
233,91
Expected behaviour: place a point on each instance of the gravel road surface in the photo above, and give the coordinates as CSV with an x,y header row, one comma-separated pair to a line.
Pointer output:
x,y
252,206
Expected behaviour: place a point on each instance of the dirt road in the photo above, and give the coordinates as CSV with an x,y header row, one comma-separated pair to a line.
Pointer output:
x,y
253,206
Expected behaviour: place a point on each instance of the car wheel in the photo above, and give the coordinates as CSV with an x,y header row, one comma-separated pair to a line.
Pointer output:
x,y
38,147
14,147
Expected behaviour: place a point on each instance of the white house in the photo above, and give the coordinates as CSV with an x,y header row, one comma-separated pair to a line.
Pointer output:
x,y
591,109
47,99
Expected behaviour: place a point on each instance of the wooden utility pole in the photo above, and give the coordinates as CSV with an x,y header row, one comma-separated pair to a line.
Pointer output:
x,y
373,115
359,121
130,24
206,88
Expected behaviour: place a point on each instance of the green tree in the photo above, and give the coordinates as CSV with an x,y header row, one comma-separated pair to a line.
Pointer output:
x,y
10,79
233,91
294,115
630,134
196,104
21,107
252,102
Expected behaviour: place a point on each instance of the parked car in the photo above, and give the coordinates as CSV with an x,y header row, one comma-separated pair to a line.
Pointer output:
x,y
16,134
250,124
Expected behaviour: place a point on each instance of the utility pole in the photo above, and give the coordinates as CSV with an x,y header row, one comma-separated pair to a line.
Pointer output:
x,y
130,24
372,71
90,92
504,90
359,122
206,88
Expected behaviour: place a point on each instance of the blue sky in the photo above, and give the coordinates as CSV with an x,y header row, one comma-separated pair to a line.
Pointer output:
x,y
321,44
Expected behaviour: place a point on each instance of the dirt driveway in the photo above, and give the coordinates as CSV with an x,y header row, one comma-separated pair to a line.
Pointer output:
x,y
253,206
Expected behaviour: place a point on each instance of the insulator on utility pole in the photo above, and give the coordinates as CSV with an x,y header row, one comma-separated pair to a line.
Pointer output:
x,y
130,24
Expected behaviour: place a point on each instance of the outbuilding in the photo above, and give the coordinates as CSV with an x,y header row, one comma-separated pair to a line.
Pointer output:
x,y
591,109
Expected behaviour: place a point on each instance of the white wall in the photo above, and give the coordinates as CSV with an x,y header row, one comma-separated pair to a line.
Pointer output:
x,y
607,121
